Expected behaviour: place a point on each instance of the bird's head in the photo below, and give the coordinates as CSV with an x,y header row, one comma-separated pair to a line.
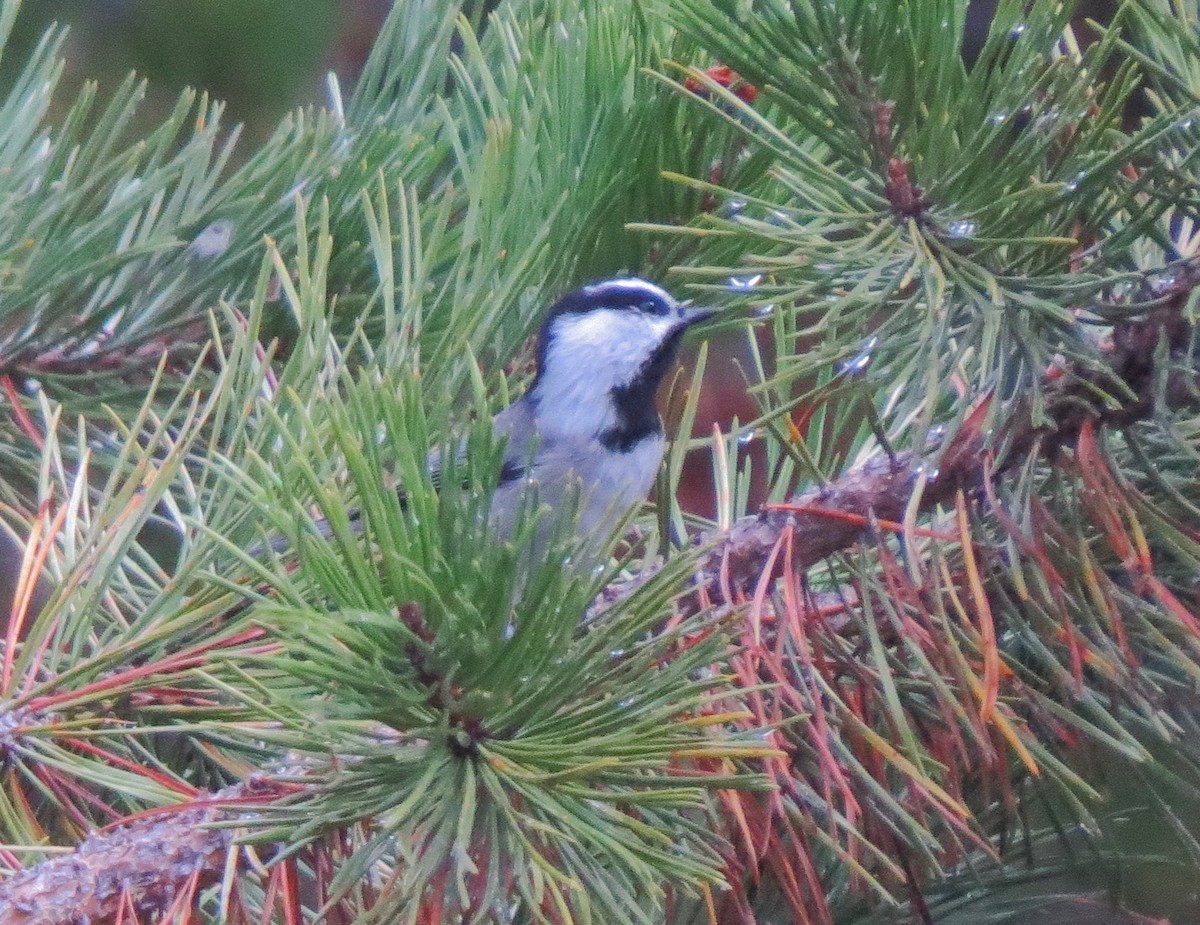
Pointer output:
x,y
602,354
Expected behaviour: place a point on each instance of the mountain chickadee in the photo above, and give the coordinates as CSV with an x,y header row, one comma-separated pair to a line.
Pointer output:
x,y
589,422
590,414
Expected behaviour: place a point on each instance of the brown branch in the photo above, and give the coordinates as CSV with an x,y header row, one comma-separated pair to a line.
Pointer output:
x,y
146,863
828,519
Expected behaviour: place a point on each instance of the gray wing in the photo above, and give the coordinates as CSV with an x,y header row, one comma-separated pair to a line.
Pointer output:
x,y
517,425
571,468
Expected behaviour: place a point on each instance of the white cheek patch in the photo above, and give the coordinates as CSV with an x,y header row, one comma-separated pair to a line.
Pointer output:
x,y
590,355
608,344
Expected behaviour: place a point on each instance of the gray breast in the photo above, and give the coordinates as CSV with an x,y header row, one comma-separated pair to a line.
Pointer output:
x,y
609,484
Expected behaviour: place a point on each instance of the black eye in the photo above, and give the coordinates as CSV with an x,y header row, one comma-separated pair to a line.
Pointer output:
x,y
653,307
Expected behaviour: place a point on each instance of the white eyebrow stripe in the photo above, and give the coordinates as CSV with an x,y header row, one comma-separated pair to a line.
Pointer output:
x,y
630,285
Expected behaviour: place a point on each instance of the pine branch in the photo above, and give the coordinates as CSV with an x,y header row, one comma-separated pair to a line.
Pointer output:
x,y
146,864
827,519
527,745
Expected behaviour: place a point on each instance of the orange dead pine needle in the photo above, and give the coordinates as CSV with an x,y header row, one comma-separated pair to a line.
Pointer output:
x,y
37,549
1131,545
732,801
764,584
1025,542
292,913
832,775
812,879
187,901
23,420
1165,597
186,791
1074,652
1103,494
709,906
987,626
126,907
180,661
268,901
1099,585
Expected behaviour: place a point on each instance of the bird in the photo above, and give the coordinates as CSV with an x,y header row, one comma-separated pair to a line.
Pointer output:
x,y
587,431
589,421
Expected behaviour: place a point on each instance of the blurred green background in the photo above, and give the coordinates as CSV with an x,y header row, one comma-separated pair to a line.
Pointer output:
x,y
261,56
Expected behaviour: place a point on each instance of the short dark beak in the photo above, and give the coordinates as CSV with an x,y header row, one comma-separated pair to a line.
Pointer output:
x,y
694,314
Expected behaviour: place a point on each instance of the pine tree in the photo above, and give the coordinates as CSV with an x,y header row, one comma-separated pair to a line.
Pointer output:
x,y
934,673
